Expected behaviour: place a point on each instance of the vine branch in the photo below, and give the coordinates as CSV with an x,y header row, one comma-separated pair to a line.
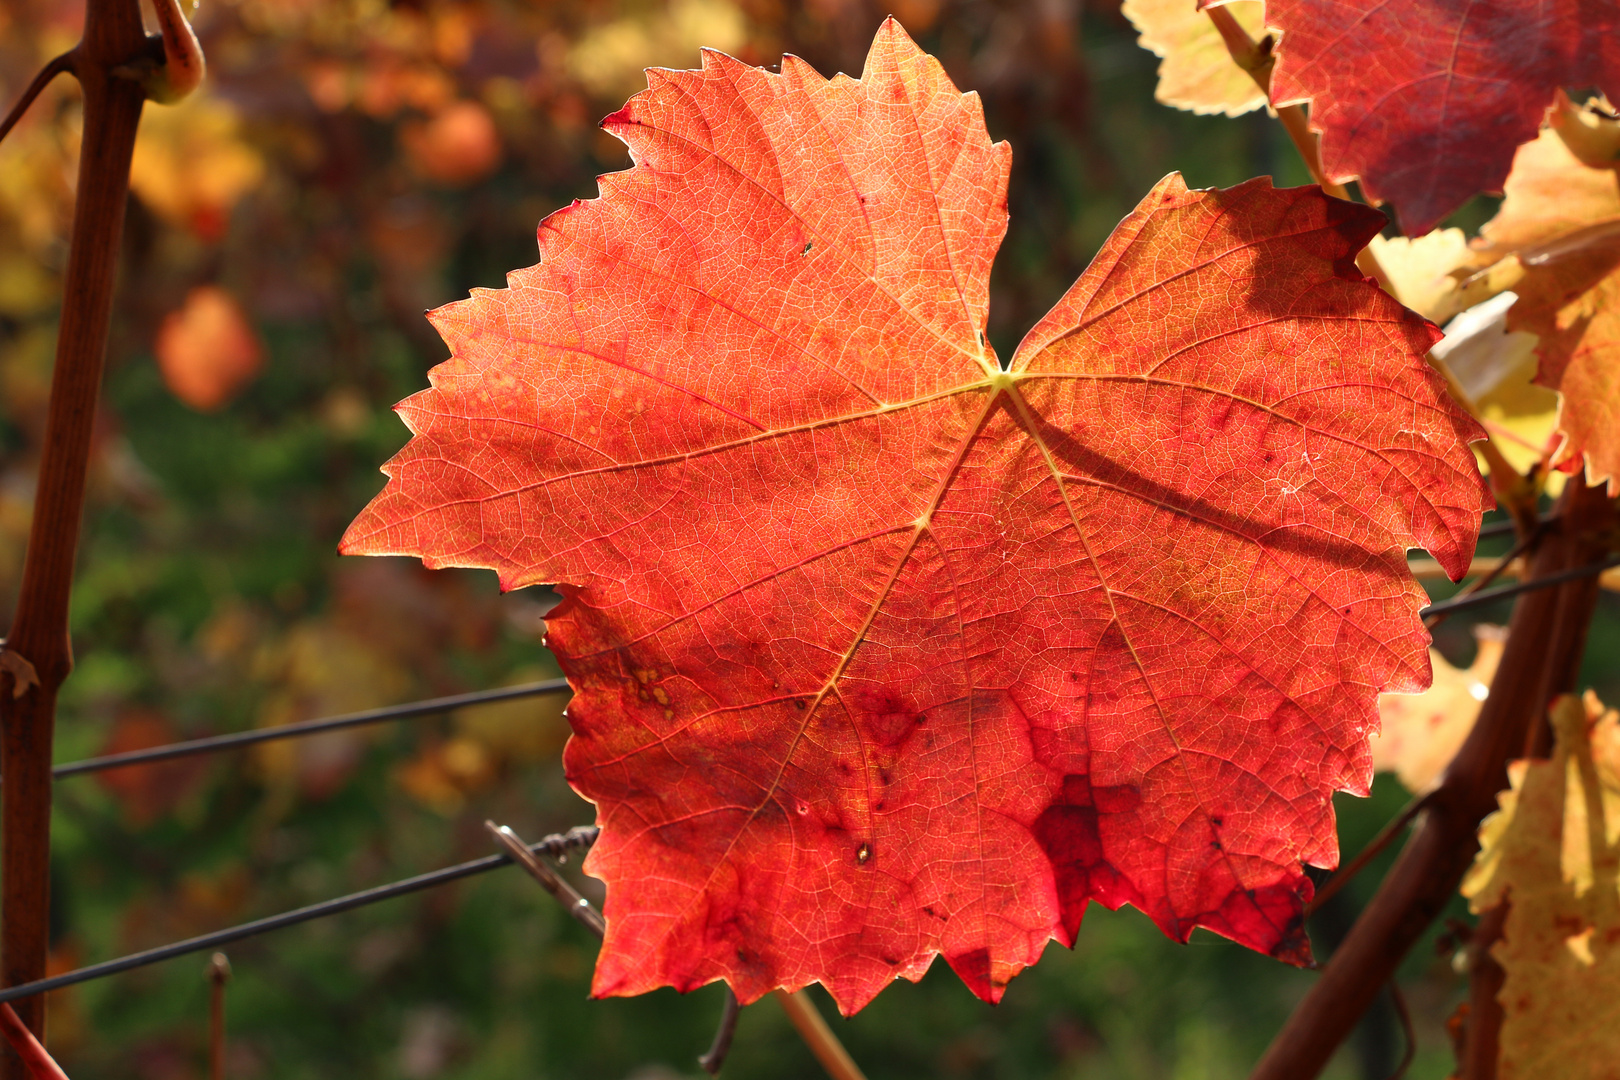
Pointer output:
x,y
40,1064
715,1056
1546,639
113,37
818,1036
47,73
219,973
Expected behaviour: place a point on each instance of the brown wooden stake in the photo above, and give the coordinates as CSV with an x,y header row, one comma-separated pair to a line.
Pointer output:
x,y
219,973
1545,641
113,38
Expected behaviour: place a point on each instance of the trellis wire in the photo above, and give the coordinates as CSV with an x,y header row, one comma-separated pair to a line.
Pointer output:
x,y
1488,595
309,727
582,836
431,706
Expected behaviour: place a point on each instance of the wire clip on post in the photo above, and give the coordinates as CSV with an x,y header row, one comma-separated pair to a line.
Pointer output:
x,y
569,897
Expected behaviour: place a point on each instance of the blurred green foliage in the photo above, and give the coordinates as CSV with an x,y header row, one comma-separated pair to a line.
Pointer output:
x,y
350,163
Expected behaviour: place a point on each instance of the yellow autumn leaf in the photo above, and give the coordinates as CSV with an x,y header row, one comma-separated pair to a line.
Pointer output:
x,y
320,669
1421,270
1439,276
1589,132
609,59
1196,72
1421,733
1496,368
192,164
1553,853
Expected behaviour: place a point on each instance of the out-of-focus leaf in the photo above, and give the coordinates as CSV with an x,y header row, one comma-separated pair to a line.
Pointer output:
x,y
1196,72
443,774
1422,732
609,59
207,350
320,670
1552,852
192,163
456,146
523,731
1480,350
147,792
1496,367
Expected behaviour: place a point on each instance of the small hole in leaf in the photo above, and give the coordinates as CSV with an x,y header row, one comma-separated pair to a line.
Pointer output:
x,y
863,854
806,250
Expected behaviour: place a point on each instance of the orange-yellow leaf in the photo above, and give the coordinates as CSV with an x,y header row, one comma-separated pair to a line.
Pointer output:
x,y
1560,220
192,164
1422,732
458,145
1196,72
1421,269
1552,852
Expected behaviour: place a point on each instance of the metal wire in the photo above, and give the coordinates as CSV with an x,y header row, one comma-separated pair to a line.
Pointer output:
x,y
582,836
308,727
1488,595
1507,525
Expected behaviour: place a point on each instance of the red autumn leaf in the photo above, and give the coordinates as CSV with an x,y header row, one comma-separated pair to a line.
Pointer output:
x,y
1426,100
882,651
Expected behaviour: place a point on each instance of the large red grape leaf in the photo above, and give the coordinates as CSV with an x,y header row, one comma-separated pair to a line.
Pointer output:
x,y
1425,100
881,651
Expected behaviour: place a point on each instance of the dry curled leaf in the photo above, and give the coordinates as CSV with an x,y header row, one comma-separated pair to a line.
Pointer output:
x,y
882,649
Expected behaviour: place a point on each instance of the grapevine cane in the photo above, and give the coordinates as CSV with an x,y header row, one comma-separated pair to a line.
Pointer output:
x,y
1546,639
115,66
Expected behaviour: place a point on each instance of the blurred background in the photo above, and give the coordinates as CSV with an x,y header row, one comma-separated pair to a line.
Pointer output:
x,y
349,164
